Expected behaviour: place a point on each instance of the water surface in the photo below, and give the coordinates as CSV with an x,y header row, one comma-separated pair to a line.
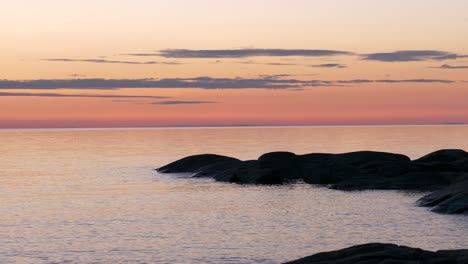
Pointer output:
x,y
92,196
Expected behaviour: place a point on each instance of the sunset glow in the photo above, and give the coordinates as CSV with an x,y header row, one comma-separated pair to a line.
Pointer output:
x,y
209,63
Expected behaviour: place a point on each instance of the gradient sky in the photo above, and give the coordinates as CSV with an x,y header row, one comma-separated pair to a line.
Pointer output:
x,y
217,62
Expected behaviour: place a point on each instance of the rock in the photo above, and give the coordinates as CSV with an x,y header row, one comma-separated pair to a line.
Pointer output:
x,y
347,171
385,253
442,160
444,155
212,170
245,172
380,164
450,200
252,172
317,168
192,164
422,181
354,166
361,158
359,170
283,165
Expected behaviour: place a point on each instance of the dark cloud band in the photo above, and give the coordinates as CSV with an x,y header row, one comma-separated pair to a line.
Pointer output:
x,y
4,94
115,61
182,102
411,55
242,53
396,56
329,65
266,82
358,81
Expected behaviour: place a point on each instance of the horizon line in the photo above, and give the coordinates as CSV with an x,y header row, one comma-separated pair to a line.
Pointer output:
x,y
228,126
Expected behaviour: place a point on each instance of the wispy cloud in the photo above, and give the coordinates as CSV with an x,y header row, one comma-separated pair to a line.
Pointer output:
x,y
395,56
128,101
358,81
242,53
266,82
411,55
115,61
267,63
451,67
279,64
199,82
182,102
4,94
274,76
76,75
329,65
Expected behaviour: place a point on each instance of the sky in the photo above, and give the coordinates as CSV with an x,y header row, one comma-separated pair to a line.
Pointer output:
x,y
125,63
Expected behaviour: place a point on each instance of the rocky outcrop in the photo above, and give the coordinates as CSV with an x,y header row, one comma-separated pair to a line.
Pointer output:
x,y
385,253
208,164
450,200
347,171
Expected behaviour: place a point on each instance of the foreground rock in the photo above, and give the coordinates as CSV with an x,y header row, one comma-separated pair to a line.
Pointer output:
x,y
348,171
385,253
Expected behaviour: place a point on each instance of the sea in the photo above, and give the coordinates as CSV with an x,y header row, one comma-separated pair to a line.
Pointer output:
x,y
93,196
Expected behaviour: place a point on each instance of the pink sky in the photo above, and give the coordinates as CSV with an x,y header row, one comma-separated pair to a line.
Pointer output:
x,y
181,63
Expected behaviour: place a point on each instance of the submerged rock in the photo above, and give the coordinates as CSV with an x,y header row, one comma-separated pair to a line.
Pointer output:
x,y
385,253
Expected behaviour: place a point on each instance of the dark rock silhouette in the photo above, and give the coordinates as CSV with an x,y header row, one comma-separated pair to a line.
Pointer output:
x,y
450,200
443,160
197,164
385,253
347,171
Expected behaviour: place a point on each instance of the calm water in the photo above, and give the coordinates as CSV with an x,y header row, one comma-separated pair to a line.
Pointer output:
x,y
91,196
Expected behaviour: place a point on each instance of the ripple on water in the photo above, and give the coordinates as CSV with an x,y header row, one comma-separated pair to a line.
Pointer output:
x,y
93,197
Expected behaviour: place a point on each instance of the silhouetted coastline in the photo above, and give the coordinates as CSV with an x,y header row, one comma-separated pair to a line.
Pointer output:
x,y
443,171
385,253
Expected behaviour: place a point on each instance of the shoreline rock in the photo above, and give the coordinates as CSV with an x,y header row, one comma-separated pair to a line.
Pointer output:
x,y
443,171
450,200
385,253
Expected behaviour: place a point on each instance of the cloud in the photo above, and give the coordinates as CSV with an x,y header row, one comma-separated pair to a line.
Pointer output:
x,y
358,81
4,94
446,66
279,64
265,82
84,84
198,82
411,55
115,61
75,75
267,63
128,101
242,53
274,76
329,65
181,102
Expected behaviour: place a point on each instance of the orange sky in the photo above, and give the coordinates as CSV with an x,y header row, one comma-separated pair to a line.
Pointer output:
x,y
59,40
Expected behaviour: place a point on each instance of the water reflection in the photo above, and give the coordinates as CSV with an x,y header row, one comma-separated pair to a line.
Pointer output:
x,y
80,196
